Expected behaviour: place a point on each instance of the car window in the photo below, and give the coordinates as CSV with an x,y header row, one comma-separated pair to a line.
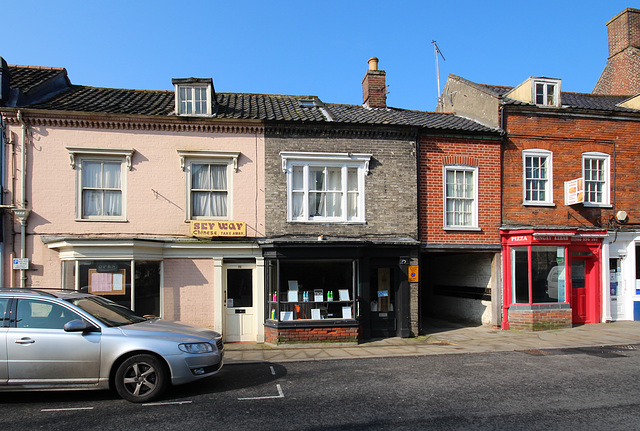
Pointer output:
x,y
4,321
33,313
107,312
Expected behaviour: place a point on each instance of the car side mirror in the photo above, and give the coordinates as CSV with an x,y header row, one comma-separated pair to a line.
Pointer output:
x,y
78,325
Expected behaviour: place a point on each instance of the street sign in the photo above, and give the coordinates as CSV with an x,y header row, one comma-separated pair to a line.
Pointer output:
x,y
21,263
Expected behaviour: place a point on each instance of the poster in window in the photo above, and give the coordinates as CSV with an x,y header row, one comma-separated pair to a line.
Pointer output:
x,y
106,283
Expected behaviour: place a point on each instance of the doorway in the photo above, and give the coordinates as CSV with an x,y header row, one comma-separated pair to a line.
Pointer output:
x,y
382,294
240,303
584,287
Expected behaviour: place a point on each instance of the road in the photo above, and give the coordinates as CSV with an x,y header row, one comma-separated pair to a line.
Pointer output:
x,y
572,389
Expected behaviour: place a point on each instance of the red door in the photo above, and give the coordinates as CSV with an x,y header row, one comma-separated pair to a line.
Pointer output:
x,y
584,288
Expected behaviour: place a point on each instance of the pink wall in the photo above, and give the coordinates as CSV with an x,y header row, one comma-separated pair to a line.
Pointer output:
x,y
51,188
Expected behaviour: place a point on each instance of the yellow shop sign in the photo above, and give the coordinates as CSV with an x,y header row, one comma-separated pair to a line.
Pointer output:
x,y
208,229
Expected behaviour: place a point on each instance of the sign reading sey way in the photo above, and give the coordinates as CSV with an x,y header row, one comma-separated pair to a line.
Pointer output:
x,y
208,229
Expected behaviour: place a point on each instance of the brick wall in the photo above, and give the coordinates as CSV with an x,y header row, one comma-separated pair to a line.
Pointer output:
x,y
568,137
540,320
311,335
390,187
621,75
435,153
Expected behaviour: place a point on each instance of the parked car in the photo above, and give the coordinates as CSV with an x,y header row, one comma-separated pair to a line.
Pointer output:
x,y
71,340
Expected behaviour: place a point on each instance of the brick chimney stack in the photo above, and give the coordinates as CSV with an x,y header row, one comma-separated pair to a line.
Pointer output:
x,y
621,75
374,88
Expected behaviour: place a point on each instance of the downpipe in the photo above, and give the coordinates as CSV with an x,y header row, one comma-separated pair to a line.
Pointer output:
x,y
22,213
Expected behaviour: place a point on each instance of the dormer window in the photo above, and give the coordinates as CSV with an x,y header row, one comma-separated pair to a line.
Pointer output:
x,y
194,96
546,93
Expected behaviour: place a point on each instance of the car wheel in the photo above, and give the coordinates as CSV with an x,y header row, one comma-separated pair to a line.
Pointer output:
x,y
141,378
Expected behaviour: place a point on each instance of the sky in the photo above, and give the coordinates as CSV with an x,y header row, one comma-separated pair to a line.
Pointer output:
x,y
306,47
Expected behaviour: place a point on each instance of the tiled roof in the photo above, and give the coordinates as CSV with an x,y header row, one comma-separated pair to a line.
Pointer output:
x,y
240,106
27,77
585,101
245,106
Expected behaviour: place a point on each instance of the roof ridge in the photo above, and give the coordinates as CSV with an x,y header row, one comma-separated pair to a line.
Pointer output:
x,y
36,67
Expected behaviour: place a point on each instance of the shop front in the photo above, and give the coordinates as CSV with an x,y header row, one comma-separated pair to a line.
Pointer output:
x,y
215,284
336,292
551,278
624,276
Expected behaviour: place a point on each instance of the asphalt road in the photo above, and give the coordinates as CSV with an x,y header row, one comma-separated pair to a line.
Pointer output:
x,y
570,389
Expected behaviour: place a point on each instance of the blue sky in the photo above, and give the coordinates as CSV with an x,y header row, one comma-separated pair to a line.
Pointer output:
x,y
312,47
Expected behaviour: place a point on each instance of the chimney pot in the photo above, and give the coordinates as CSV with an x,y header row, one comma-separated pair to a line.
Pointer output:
x,y
373,63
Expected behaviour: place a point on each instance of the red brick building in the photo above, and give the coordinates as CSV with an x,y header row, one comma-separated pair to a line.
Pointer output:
x,y
459,221
570,243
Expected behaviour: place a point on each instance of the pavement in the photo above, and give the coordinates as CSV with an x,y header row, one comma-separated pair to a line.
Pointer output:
x,y
442,338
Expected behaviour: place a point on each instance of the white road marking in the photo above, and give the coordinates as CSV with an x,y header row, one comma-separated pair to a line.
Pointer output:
x,y
168,403
280,395
273,371
70,409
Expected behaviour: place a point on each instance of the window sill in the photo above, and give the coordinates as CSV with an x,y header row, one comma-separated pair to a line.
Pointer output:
x,y
103,219
325,222
462,228
538,204
592,205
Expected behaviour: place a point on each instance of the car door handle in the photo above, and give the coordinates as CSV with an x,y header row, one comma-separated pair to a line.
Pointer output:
x,y
25,340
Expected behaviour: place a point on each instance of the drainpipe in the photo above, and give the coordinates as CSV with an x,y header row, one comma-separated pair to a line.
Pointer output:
x,y
22,213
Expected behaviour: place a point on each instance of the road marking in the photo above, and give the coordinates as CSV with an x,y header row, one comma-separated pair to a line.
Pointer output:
x,y
273,371
67,409
168,403
280,395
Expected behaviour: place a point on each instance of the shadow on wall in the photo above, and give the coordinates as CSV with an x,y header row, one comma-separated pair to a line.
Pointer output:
x,y
186,285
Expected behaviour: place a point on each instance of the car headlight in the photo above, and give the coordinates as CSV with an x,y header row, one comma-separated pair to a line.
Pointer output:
x,y
196,347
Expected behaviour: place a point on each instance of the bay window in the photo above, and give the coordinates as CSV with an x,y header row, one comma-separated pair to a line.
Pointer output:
x,y
325,187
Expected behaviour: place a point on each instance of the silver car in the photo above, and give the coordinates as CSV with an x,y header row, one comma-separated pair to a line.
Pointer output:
x,y
72,340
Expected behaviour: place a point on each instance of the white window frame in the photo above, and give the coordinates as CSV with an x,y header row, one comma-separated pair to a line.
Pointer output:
x,y
344,161
549,185
474,208
78,155
606,191
546,83
192,101
226,158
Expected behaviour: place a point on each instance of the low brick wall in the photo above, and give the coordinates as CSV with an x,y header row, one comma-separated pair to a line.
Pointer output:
x,y
540,320
311,335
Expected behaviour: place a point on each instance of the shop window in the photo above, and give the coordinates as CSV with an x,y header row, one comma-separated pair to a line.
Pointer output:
x,y
595,171
112,279
209,183
461,197
538,178
325,187
100,182
312,290
538,274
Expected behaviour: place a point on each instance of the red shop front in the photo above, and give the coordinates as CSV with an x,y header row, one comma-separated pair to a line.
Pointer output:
x,y
551,278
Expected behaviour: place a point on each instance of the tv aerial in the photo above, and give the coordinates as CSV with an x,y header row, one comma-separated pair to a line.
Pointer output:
x,y
437,53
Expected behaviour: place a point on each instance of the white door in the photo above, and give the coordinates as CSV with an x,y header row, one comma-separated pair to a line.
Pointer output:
x,y
241,307
617,289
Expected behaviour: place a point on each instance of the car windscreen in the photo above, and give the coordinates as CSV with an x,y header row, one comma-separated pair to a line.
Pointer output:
x,y
107,312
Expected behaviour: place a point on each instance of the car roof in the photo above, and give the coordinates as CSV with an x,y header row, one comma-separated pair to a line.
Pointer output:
x,y
43,293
